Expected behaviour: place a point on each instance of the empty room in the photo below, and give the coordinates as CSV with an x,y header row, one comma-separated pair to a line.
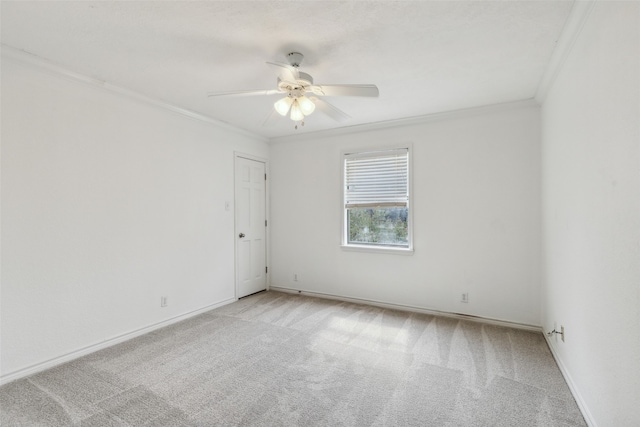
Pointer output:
x,y
320,213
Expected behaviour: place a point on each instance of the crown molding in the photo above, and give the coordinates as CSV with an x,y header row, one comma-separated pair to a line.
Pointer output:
x,y
26,58
572,28
410,121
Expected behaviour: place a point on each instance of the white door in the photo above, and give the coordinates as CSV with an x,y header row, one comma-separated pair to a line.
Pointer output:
x,y
250,208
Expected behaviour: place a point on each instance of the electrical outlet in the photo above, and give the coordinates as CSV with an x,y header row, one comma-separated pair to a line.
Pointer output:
x,y
163,301
295,277
464,297
562,333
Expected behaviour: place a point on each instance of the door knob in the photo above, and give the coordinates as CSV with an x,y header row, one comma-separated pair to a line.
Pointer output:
x,y
241,235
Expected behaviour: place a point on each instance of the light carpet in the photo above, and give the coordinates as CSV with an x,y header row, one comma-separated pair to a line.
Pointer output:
x,y
276,359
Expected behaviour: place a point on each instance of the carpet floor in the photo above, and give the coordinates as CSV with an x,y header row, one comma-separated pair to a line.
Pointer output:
x,y
275,359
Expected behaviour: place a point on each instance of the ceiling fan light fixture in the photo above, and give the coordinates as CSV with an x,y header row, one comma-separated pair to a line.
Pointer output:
x,y
296,112
306,105
282,106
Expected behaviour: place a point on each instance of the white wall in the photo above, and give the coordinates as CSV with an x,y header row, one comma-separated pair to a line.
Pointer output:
x,y
107,204
476,206
591,214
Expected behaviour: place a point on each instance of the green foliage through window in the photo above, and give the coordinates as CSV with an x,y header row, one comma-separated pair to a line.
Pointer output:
x,y
380,226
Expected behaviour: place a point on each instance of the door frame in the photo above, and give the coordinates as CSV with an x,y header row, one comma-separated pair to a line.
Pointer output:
x,y
237,155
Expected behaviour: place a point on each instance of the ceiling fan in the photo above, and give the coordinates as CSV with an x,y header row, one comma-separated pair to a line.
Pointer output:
x,y
301,95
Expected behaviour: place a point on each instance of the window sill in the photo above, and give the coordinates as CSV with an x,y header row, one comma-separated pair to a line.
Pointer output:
x,y
377,249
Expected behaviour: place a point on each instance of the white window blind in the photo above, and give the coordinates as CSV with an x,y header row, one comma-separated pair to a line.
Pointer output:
x,y
377,179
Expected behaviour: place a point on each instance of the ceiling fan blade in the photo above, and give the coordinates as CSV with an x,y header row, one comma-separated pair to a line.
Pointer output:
x,y
286,72
346,90
237,93
331,111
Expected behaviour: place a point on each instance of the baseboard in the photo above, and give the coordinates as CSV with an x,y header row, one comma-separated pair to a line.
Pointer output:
x,y
38,367
415,309
582,405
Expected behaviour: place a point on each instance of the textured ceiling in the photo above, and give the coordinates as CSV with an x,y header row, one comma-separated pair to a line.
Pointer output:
x,y
425,56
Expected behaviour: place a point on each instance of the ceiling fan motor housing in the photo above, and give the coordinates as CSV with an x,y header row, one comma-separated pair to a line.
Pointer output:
x,y
304,81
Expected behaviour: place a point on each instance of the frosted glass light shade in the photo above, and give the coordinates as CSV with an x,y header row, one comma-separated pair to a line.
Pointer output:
x,y
282,106
306,105
296,112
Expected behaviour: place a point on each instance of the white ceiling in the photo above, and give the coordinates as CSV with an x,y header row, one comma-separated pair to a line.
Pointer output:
x,y
425,56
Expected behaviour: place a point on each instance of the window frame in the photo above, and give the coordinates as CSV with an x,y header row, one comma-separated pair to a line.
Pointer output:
x,y
345,245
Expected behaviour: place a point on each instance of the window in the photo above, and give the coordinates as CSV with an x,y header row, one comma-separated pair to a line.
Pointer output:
x,y
376,200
